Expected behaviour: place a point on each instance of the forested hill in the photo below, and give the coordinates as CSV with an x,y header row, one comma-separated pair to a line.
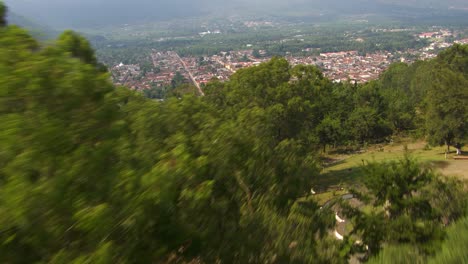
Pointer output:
x,y
92,173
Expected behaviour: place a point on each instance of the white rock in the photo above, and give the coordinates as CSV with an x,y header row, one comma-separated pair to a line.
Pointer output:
x,y
338,236
338,218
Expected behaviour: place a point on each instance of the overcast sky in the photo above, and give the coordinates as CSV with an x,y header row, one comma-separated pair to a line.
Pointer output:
x,y
76,13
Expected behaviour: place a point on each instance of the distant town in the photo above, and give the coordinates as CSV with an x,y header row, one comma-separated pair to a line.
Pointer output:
x,y
337,66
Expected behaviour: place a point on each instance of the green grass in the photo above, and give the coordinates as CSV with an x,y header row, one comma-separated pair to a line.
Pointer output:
x,y
322,198
391,153
346,172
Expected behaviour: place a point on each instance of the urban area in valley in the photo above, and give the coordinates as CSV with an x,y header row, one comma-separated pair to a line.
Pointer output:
x,y
353,65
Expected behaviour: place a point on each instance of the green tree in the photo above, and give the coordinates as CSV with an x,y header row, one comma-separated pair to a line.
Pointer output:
x,y
365,125
452,249
256,53
400,111
456,58
58,125
77,46
177,80
446,108
408,204
329,131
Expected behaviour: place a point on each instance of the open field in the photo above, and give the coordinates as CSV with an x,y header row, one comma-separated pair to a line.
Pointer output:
x,y
344,171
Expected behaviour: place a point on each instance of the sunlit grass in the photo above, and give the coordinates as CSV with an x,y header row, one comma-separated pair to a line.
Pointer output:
x,y
346,171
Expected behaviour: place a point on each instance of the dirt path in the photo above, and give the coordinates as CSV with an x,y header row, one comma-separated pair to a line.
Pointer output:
x,y
457,168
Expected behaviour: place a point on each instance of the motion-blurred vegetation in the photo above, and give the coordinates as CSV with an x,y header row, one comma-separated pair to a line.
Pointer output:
x,y
92,173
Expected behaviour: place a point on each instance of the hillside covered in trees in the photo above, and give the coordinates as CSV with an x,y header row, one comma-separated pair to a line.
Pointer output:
x,y
92,173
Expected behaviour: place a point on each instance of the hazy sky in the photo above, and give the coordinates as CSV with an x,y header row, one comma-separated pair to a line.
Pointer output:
x,y
68,13
76,13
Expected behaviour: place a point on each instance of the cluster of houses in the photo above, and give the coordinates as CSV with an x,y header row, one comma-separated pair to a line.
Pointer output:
x,y
440,34
340,66
337,66
126,74
350,66
166,64
204,70
462,41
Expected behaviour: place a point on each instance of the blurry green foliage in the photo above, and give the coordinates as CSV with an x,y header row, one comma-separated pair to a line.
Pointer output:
x,y
98,174
77,46
409,205
94,173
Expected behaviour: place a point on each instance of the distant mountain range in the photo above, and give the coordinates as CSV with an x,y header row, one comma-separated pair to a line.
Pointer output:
x,y
91,13
36,29
63,14
428,3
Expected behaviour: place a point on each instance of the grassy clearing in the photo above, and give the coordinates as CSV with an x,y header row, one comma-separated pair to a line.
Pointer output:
x,y
345,172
